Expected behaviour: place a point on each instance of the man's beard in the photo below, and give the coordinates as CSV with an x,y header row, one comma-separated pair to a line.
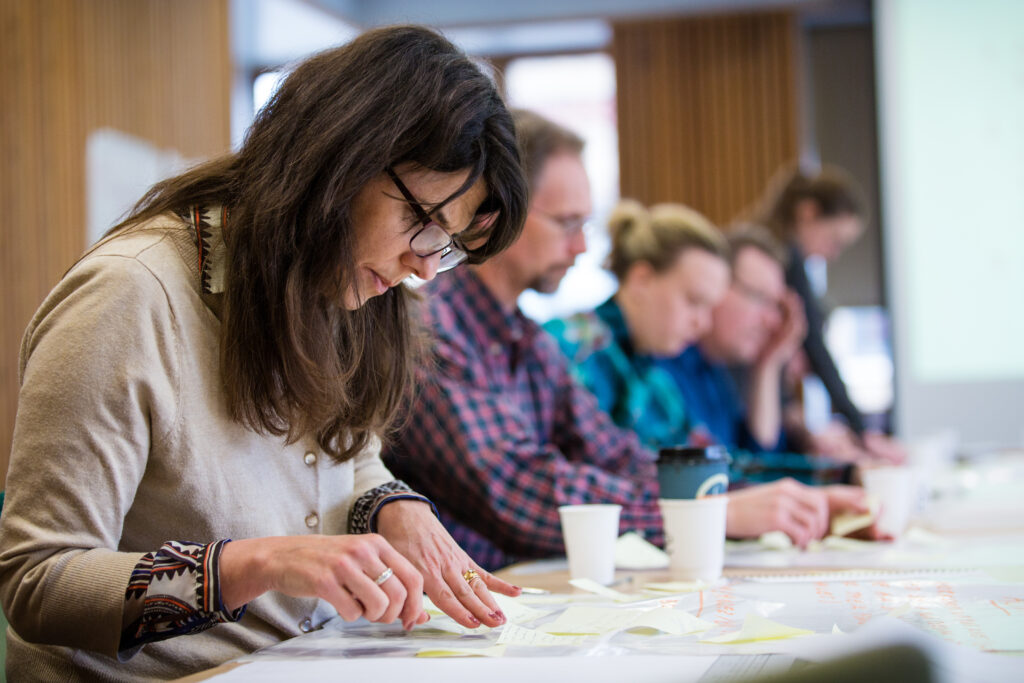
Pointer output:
x,y
548,282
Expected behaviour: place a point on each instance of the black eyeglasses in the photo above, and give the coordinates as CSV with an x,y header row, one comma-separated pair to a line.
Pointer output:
x,y
431,238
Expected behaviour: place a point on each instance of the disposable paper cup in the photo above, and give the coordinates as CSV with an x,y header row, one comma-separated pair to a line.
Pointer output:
x,y
896,491
695,536
590,532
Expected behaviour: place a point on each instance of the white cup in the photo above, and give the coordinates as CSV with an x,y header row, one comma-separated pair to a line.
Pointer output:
x,y
896,492
590,532
695,536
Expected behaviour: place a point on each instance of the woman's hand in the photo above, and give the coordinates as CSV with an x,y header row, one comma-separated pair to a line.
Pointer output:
x,y
343,570
802,512
414,531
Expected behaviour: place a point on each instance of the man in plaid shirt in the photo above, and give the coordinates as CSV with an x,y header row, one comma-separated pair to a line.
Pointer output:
x,y
500,434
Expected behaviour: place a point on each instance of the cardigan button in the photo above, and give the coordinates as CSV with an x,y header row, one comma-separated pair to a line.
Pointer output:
x,y
309,458
306,625
312,520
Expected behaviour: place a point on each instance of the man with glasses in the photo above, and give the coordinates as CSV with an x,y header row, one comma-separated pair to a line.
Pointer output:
x,y
756,329
500,434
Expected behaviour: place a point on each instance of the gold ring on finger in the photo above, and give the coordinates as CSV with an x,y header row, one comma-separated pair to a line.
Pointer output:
x,y
470,575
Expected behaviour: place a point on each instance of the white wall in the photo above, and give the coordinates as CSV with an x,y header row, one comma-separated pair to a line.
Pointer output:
x,y
951,103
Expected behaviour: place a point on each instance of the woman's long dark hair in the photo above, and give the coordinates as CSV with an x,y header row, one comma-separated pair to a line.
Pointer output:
x,y
293,362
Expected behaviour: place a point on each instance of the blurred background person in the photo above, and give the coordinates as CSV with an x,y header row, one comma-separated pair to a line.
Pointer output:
x,y
820,215
731,379
673,269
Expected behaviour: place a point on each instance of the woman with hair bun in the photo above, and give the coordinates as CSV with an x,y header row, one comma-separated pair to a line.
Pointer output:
x,y
673,267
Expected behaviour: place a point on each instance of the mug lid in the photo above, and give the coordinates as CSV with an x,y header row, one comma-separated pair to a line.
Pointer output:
x,y
694,453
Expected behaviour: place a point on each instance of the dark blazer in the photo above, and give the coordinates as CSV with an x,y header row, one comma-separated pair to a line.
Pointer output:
x,y
814,343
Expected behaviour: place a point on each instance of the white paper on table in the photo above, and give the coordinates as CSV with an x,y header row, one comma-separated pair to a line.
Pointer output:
x,y
756,627
632,551
512,634
676,586
595,587
675,622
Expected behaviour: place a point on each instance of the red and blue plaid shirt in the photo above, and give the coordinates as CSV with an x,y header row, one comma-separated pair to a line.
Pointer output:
x,y
500,434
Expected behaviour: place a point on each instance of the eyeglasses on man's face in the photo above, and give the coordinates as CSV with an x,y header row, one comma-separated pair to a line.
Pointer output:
x,y
431,238
756,296
571,226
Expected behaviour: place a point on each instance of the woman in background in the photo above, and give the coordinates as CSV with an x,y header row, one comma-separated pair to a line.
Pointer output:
x,y
222,365
822,214
672,266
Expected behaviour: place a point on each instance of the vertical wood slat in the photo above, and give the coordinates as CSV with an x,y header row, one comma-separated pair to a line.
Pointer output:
x,y
707,108
156,70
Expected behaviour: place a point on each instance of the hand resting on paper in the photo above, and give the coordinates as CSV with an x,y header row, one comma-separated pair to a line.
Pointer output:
x,y
413,530
339,569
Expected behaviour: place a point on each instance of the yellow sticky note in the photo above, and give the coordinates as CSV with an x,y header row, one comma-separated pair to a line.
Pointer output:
x,y
512,634
494,651
587,620
516,611
847,523
592,621
756,627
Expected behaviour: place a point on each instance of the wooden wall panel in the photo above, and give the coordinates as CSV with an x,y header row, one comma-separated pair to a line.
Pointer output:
x,y
155,69
707,108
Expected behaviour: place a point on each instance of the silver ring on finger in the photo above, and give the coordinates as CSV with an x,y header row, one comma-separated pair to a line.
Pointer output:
x,y
384,576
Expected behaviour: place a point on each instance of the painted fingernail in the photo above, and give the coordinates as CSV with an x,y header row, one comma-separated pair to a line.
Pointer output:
x,y
501,615
473,620
495,616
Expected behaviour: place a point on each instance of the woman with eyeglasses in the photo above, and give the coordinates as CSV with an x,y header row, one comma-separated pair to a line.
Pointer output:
x,y
195,470
672,265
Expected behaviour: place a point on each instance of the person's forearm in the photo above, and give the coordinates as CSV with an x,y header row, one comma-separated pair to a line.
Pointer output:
x,y
764,409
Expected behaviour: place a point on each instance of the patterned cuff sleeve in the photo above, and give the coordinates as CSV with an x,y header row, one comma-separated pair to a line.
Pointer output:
x,y
363,518
172,592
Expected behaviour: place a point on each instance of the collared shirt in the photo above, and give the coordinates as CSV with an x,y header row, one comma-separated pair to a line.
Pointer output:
x,y
500,434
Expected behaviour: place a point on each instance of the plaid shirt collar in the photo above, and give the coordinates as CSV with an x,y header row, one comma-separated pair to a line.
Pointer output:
x,y
492,326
